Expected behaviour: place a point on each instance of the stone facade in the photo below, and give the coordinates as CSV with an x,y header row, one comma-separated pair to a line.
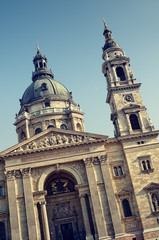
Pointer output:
x,y
60,183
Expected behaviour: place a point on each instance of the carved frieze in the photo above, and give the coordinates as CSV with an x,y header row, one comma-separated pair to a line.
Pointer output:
x,y
54,140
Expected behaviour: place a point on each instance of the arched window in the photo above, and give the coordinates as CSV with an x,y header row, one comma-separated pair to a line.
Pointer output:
x,y
41,65
60,183
126,208
2,231
50,126
47,104
43,86
155,201
38,130
134,122
63,126
79,127
120,74
23,136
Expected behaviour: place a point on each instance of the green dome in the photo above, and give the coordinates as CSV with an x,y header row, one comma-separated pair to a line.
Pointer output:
x,y
45,87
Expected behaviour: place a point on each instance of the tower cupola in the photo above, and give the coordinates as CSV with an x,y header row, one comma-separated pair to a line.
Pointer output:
x,y
40,64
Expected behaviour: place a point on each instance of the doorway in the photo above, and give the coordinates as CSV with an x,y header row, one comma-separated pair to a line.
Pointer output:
x,y
67,231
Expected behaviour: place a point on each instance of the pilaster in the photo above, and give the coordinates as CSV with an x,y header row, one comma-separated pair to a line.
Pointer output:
x,y
45,220
86,218
13,209
98,212
111,197
29,203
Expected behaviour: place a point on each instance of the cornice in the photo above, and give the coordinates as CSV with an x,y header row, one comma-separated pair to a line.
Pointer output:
x,y
121,88
132,137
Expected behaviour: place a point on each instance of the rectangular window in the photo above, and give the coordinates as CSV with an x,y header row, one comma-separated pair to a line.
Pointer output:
x,y
117,168
146,164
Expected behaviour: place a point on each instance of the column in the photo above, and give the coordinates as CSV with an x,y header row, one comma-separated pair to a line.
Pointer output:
x,y
29,204
13,209
27,128
111,197
95,199
86,218
129,124
45,221
141,122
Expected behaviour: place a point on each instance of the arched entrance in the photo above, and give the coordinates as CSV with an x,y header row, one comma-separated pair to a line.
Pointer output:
x,y
63,207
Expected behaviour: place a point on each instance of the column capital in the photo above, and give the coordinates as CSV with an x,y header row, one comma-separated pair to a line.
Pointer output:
x,y
95,160
26,172
103,159
88,162
18,174
10,175
43,202
82,195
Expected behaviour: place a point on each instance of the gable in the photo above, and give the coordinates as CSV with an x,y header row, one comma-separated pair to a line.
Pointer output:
x,y
53,139
152,186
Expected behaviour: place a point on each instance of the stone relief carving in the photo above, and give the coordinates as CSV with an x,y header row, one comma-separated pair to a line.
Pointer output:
x,y
64,210
55,139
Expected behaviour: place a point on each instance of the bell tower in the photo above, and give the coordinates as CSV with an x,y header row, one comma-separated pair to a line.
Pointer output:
x,y
128,112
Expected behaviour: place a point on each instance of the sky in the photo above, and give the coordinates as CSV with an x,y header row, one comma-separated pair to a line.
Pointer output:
x,y
70,34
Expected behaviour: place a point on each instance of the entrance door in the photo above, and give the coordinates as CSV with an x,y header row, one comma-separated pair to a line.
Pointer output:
x,y
67,231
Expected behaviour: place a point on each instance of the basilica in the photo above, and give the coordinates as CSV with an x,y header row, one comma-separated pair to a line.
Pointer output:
x,y
62,183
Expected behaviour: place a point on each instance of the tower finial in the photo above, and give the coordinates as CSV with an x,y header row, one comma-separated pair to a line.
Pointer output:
x,y
104,23
37,46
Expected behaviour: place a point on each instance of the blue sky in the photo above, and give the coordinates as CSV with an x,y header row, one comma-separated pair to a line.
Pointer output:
x,y
70,34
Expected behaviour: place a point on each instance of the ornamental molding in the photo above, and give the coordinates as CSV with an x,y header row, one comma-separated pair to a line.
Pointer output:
x,y
54,140
137,136
152,186
40,193
123,193
81,186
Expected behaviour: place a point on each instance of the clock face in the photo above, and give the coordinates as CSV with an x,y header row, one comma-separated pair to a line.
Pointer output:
x,y
128,98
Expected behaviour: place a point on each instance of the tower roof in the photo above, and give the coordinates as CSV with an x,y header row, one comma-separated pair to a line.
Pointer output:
x,y
109,41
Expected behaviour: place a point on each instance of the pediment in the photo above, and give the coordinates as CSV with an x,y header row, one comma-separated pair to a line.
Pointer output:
x,y
53,138
152,186
123,192
130,106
